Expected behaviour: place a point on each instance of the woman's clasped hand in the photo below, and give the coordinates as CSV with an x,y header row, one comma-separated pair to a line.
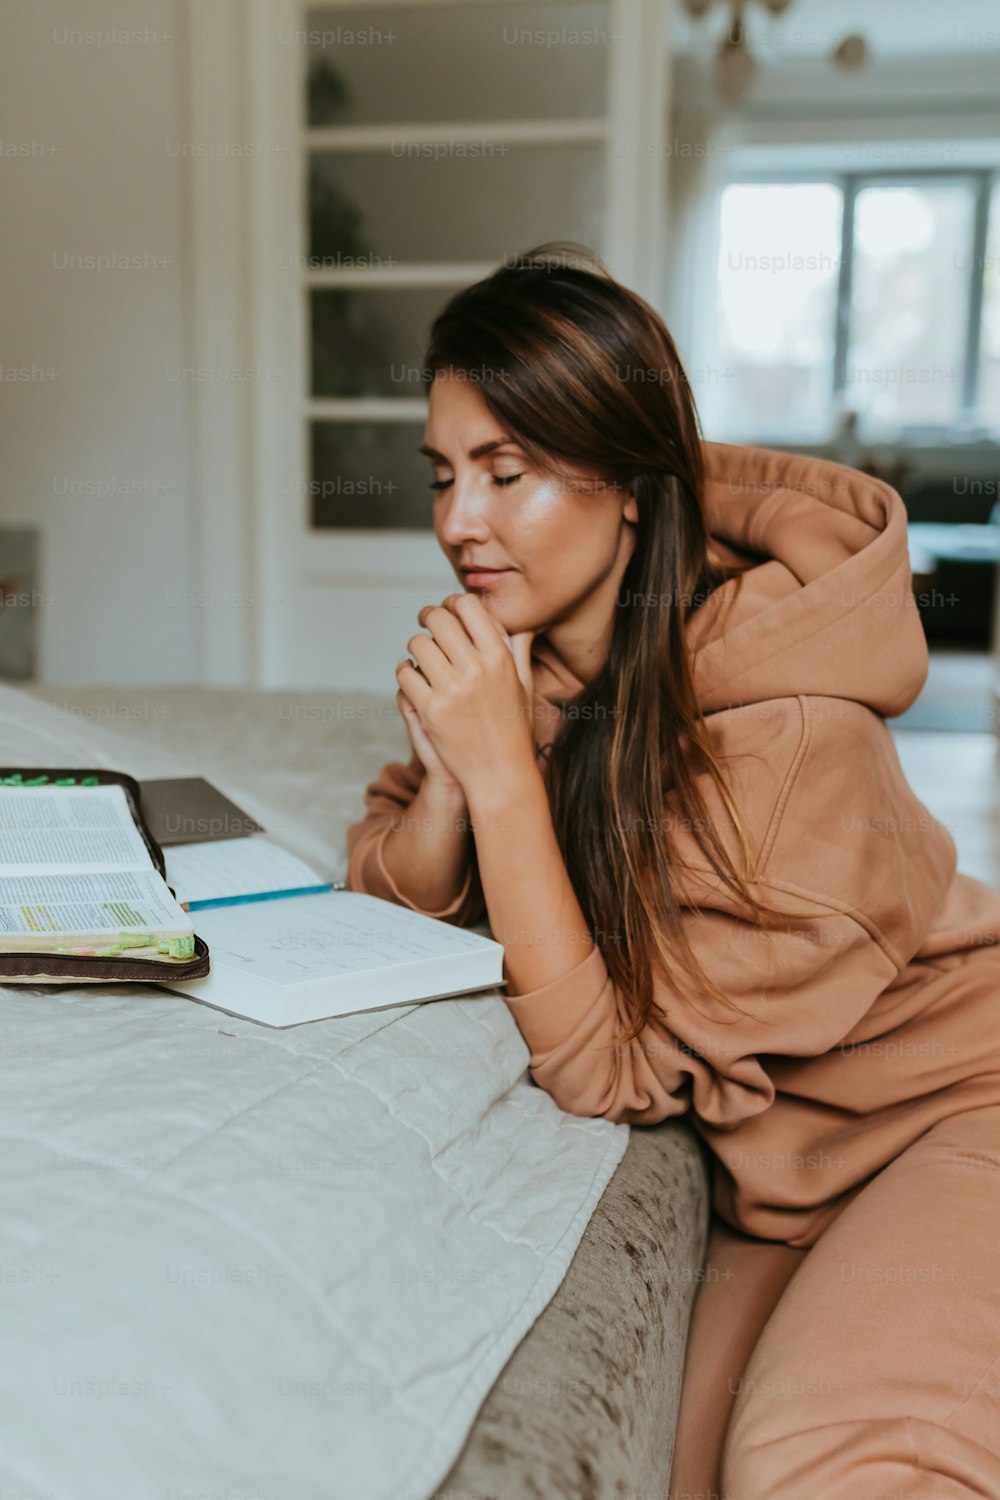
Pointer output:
x,y
467,701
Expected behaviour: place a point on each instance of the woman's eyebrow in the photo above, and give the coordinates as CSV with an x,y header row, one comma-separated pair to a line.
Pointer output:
x,y
480,450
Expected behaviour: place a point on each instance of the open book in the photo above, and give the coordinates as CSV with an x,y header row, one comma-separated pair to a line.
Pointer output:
x,y
77,877
325,953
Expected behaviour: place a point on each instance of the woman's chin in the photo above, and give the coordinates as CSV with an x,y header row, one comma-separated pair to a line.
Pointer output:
x,y
506,613
494,607
510,620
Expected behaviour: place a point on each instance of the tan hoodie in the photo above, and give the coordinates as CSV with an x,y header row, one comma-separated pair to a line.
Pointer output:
x,y
873,1013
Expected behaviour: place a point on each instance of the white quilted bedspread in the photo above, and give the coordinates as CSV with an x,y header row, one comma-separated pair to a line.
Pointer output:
x,y
273,1265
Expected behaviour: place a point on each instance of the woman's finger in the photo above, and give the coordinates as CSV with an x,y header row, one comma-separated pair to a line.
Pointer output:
x,y
482,628
429,658
520,645
448,631
415,686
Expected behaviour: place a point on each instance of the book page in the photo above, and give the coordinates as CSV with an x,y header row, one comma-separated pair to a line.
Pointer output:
x,y
235,867
120,901
318,937
47,830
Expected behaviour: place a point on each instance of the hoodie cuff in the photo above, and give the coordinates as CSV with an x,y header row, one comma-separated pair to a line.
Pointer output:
x,y
547,1016
397,895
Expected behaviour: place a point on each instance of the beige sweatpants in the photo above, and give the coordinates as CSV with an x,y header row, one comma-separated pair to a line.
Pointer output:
x,y
867,1366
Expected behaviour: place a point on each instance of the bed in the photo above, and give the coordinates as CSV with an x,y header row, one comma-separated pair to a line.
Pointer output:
x,y
206,1287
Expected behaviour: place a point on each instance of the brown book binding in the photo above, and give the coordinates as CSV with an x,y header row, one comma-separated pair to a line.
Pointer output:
x,y
77,968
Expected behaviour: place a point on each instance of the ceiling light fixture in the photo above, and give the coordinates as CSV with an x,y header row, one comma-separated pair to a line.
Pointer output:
x,y
735,63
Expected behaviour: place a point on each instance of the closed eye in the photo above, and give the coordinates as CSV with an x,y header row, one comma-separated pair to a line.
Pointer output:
x,y
498,479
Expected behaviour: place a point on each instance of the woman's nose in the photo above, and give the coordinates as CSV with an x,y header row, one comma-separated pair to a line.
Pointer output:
x,y
464,512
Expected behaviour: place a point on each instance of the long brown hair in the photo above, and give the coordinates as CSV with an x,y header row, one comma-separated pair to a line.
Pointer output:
x,y
580,369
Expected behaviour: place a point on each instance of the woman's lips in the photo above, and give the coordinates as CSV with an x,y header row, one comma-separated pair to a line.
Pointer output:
x,y
477,578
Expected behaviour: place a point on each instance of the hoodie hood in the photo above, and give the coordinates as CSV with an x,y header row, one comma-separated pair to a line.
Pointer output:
x,y
822,604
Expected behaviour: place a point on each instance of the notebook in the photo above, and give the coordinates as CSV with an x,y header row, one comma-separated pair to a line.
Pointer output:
x,y
283,954
237,872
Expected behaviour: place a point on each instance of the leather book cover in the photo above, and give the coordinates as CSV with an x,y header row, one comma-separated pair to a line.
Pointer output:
x,y
190,810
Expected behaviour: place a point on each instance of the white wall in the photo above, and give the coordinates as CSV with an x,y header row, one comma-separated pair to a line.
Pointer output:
x,y
95,435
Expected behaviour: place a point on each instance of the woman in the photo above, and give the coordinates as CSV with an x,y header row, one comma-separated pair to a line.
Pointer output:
x,y
649,744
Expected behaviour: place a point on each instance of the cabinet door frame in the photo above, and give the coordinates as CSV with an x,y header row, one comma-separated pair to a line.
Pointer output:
x,y
277,593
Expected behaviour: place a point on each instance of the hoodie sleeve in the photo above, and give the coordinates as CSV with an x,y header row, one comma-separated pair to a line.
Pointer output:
x,y
385,798
805,985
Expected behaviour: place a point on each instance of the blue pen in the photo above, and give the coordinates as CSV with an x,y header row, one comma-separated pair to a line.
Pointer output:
x,y
302,890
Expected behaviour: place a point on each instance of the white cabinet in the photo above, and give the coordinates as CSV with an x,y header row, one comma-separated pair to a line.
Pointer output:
x,y
404,149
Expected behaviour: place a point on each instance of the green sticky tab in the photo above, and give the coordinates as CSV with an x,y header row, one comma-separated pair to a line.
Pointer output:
x,y
65,781
90,781
35,781
135,940
178,947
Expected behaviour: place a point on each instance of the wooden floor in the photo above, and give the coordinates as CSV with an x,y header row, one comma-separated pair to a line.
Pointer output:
x,y
957,777
948,744
958,694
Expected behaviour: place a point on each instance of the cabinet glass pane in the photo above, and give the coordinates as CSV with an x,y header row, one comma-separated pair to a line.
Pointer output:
x,y
404,63
909,307
482,200
369,475
989,348
372,343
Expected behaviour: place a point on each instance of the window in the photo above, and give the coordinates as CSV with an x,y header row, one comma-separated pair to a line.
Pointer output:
x,y
989,346
868,293
777,308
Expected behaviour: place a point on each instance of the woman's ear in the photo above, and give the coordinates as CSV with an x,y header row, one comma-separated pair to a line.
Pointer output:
x,y
630,510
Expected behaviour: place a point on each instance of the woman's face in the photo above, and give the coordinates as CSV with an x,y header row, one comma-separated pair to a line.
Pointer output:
x,y
559,544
